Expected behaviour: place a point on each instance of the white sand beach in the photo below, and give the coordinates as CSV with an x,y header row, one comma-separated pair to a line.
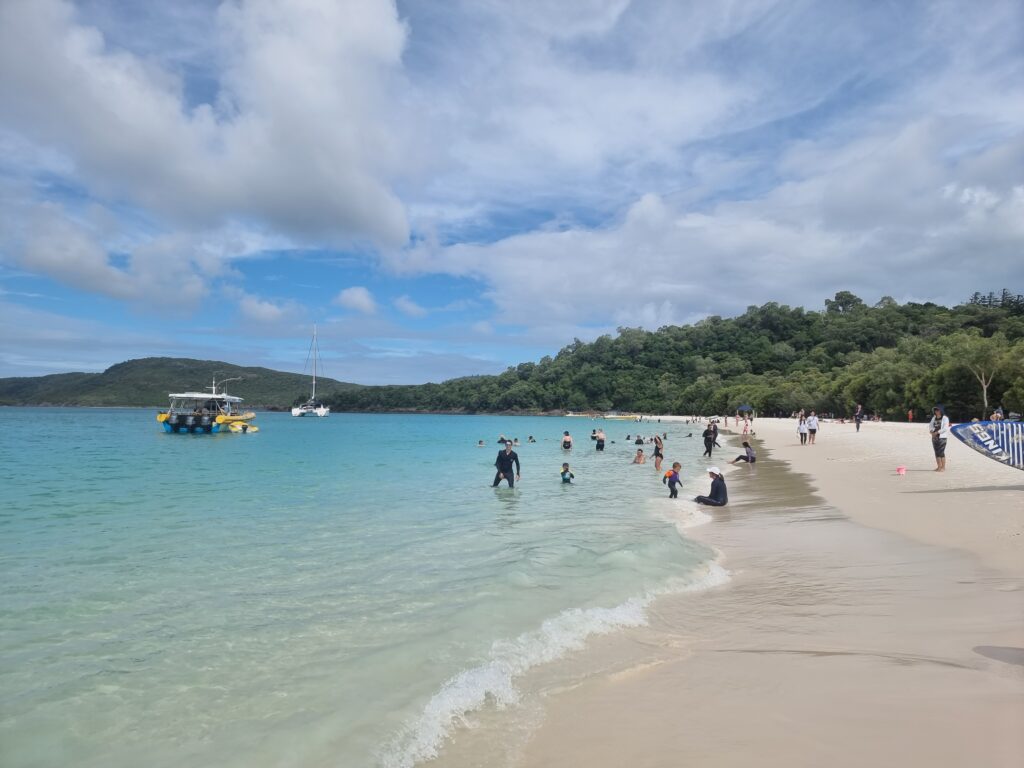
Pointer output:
x,y
872,619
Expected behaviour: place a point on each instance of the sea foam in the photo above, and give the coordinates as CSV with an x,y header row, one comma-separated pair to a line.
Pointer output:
x,y
494,679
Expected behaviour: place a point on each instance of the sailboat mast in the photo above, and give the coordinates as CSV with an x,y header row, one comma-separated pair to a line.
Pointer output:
x,y
316,354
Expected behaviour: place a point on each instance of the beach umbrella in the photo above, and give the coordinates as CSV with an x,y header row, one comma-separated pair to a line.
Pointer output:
x,y
745,408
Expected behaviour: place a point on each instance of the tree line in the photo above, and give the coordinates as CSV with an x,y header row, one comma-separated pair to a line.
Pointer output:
x,y
890,357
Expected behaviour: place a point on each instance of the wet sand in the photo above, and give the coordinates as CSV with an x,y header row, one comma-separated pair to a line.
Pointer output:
x,y
838,643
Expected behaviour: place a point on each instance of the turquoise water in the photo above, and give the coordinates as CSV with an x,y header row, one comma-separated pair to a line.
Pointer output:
x,y
325,592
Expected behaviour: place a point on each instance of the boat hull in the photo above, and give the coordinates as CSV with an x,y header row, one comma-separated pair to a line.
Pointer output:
x,y
190,425
321,411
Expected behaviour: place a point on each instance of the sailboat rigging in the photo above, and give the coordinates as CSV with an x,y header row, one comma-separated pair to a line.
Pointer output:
x,y
311,406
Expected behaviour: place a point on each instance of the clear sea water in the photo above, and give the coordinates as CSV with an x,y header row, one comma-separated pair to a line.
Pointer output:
x,y
325,592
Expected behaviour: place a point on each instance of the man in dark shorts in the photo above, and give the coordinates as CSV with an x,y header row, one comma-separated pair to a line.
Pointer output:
x,y
600,437
938,427
506,459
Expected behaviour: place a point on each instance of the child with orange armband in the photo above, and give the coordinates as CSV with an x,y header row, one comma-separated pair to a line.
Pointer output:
x,y
672,479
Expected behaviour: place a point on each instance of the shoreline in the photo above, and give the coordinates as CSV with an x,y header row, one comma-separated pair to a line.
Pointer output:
x,y
850,633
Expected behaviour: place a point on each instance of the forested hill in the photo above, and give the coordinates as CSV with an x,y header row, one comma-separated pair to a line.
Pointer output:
x,y
147,382
890,357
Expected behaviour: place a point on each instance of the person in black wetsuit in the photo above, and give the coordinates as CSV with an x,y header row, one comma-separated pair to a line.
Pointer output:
x,y
503,464
709,441
719,496
714,427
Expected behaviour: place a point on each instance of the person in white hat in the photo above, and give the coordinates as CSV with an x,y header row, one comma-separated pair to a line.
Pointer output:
x,y
719,496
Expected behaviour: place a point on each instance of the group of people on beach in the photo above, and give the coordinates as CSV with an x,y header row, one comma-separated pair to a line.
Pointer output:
x,y
807,427
508,468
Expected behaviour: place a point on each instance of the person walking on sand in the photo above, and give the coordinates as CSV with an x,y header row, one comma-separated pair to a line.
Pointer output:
x,y
812,427
858,415
801,428
659,448
506,459
719,495
709,441
938,427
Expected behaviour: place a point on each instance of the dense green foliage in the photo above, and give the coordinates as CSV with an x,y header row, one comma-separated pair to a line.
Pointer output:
x,y
147,382
890,357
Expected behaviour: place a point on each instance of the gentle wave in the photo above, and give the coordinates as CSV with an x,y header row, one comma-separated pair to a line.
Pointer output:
x,y
494,680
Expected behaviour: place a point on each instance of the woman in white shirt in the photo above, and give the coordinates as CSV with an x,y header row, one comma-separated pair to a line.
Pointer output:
x,y
812,427
938,427
802,429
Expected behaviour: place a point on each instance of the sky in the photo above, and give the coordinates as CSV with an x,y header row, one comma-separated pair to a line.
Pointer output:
x,y
450,188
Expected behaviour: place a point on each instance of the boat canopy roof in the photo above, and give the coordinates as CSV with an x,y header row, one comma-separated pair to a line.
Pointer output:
x,y
205,396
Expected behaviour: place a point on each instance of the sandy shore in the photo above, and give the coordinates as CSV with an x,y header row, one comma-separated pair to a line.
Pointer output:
x,y
872,619
977,505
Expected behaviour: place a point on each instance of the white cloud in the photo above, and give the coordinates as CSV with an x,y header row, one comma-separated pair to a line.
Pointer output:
x,y
259,310
358,299
297,136
409,307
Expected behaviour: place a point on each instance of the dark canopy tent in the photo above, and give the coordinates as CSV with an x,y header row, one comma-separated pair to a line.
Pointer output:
x,y
745,408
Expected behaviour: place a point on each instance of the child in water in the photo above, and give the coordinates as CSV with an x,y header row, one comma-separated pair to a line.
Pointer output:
x,y
567,476
672,478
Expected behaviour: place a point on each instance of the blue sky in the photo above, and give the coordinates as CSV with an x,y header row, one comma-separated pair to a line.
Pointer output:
x,y
451,188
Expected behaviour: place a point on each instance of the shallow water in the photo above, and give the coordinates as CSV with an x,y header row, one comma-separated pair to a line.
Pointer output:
x,y
325,592
834,644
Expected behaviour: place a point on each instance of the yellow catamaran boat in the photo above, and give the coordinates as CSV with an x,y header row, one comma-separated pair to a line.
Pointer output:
x,y
208,413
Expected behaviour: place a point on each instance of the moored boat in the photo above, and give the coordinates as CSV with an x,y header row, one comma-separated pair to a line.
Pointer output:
x,y
311,407
206,413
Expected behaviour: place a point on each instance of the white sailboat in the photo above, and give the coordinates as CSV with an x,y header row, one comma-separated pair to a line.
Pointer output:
x,y
311,407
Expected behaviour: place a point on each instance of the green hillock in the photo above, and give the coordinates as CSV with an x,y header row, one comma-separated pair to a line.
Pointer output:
x,y
778,359
148,381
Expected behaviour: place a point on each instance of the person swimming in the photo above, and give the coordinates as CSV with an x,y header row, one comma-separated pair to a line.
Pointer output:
x,y
566,441
639,458
567,475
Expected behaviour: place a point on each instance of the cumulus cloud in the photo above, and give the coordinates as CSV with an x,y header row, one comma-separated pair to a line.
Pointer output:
x,y
259,310
296,135
358,299
589,164
407,306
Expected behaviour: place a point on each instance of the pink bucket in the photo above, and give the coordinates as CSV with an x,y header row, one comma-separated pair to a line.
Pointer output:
x,y
901,470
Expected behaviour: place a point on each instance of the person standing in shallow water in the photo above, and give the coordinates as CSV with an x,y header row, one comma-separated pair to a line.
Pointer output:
x,y
600,438
659,448
566,441
504,463
709,441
